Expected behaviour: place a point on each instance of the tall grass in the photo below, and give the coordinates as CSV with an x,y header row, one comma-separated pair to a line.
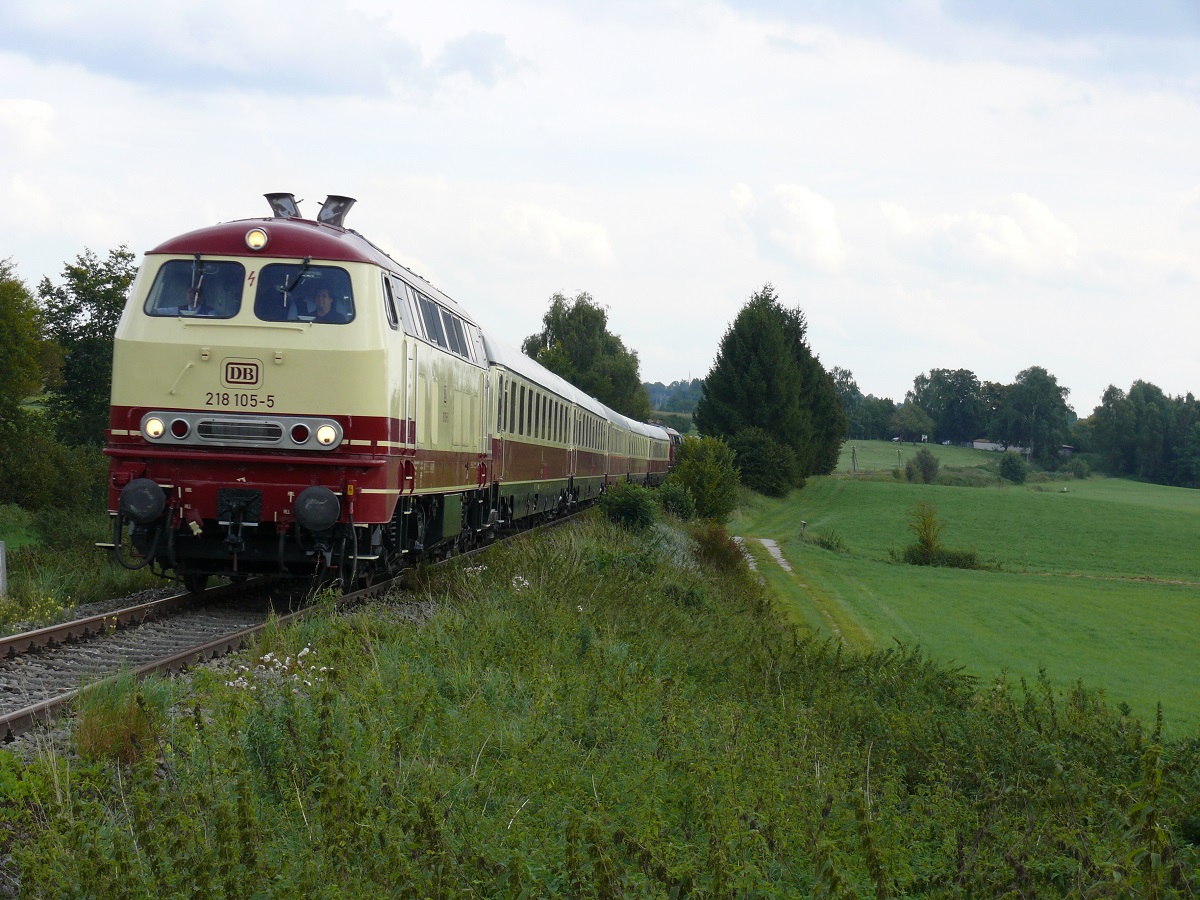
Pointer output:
x,y
592,714
62,569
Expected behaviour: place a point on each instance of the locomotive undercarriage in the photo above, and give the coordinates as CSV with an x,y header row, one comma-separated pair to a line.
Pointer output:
x,y
149,531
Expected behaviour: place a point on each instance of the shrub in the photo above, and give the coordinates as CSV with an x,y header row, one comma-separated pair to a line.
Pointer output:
x,y
923,468
677,500
705,466
1013,467
928,550
37,472
1078,467
717,548
766,465
630,506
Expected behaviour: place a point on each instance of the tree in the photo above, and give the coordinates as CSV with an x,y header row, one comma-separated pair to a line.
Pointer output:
x,y
766,376
705,466
911,422
1038,415
954,400
871,421
20,325
576,345
848,393
767,466
81,316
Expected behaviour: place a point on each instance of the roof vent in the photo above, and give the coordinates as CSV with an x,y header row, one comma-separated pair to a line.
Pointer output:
x,y
334,209
284,206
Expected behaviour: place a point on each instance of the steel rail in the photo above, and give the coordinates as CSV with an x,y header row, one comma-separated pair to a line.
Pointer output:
x,y
94,626
15,723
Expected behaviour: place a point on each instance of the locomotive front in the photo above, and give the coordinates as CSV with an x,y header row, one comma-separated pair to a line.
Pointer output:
x,y
252,428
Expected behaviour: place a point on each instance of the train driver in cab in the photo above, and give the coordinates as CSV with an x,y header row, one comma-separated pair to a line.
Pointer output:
x,y
323,309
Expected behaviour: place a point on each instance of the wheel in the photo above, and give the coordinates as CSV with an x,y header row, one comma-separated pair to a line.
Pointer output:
x,y
195,582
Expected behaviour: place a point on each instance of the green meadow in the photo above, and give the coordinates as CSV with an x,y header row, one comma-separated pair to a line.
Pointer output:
x,y
1095,580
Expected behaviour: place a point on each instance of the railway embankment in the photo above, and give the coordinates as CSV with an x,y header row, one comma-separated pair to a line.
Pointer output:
x,y
594,712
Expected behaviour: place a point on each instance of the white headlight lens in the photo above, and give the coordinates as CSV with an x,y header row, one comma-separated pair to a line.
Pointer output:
x,y
326,435
256,238
154,428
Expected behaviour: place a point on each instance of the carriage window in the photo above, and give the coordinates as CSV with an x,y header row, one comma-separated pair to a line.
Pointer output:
x,y
432,317
500,397
300,292
190,287
521,419
512,408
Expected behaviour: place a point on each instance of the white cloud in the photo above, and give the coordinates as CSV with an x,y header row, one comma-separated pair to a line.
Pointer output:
x,y
1020,234
28,124
529,234
796,219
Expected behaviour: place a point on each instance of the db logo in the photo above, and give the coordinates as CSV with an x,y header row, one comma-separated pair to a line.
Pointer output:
x,y
243,373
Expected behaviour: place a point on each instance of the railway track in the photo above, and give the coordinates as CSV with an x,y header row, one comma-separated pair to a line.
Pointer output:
x,y
43,671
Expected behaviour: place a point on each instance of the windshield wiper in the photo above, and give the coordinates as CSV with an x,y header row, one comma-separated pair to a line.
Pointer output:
x,y
295,280
193,294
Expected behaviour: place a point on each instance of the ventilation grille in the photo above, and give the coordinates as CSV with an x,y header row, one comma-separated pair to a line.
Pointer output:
x,y
243,432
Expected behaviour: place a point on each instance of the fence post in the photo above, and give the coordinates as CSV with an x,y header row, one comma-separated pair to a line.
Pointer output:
x,y
3,571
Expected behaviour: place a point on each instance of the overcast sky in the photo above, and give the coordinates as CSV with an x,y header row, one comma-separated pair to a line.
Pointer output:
x,y
947,184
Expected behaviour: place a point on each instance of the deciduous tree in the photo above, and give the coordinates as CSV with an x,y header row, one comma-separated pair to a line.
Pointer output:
x,y
20,331
81,316
954,401
576,345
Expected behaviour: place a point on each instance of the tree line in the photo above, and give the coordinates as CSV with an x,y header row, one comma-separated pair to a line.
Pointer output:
x,y
1142,433
55,378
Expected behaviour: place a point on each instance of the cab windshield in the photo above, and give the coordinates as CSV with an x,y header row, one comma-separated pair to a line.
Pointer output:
x,y
301,292
192,287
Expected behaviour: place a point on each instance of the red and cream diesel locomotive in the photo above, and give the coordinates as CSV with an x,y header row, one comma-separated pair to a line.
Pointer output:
x,y
287,399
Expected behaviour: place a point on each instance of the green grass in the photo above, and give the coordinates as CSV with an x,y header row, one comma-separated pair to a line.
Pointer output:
x,y
16,527
589,713
1100,583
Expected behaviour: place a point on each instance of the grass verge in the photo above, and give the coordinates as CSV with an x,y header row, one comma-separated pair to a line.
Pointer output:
x,y
591,714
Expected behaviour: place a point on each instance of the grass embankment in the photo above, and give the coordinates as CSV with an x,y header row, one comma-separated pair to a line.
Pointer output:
x,y
589,714
54,565
1099,579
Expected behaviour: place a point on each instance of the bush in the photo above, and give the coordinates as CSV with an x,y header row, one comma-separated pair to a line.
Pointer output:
x,y
629,505
705,466
677,500
717,548
1078,467
767,466
1013,467
36,472
923,468
928,550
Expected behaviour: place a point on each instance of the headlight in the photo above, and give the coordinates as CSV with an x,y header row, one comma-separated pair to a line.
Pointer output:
x,y
153,428
256,238
326,435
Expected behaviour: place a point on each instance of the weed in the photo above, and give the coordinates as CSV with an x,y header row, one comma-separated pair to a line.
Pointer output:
x,y
120,718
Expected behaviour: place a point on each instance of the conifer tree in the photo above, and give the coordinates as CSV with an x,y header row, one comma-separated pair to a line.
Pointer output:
x,y
766,376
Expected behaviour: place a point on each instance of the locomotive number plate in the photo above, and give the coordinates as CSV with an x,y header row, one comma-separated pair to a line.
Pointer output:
x,y
239,400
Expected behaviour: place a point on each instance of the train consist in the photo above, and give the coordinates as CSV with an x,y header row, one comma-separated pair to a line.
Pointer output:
x,y
287,399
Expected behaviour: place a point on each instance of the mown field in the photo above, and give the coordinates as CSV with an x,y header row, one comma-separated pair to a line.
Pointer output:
x,y
1095,579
